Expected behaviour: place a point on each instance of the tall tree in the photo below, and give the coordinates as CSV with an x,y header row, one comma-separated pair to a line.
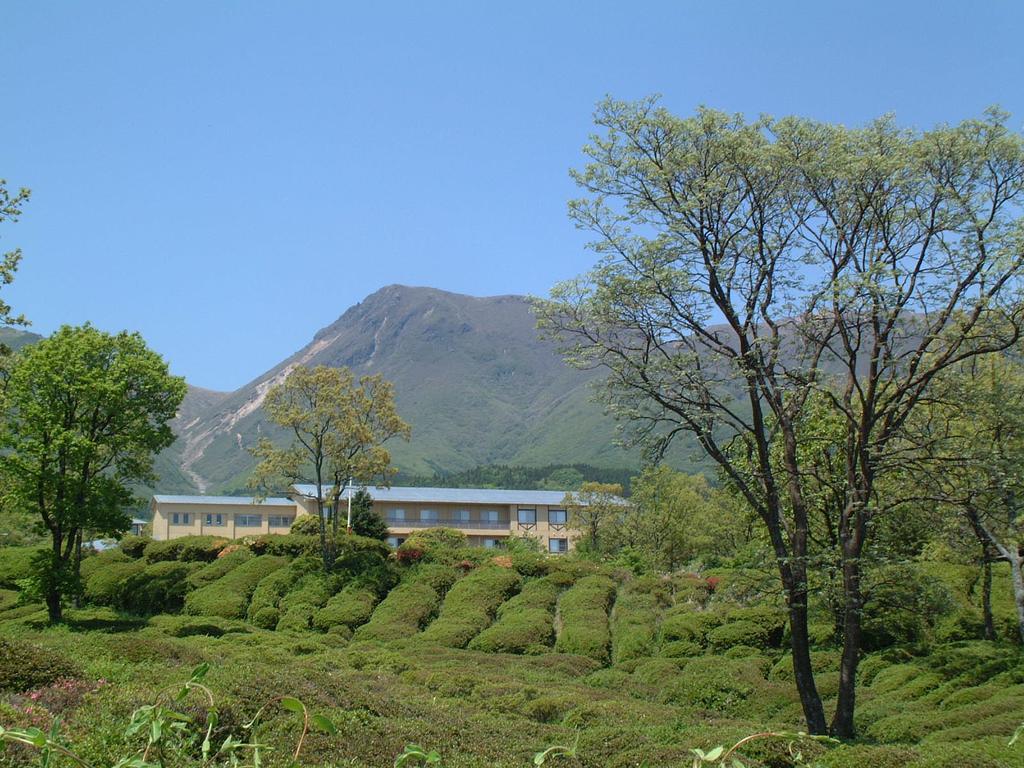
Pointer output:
x,y
852,263
84,414
10,209
975,423
338,426
595,511
366,522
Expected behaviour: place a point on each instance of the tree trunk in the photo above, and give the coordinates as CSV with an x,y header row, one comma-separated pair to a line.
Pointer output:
x,y
53,607
986,595
1013,552
77,571
803,671
853,607
852,529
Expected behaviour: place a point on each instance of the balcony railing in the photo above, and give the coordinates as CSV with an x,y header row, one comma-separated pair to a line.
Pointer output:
x,y
448,523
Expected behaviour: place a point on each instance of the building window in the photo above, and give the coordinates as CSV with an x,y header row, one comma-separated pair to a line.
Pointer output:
x,y
249,521
489,516
213,519
556,516
396,516
492,543
280,521
181,518
527,516
395,541
428,515
462,515
558,545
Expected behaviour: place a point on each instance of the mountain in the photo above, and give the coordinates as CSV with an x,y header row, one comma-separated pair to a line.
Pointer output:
x,y
471,377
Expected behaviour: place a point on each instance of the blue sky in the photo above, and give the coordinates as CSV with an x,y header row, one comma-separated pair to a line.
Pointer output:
x,y
229,177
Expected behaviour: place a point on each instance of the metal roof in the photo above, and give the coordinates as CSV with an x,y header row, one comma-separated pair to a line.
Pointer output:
x,y
272,501
452,495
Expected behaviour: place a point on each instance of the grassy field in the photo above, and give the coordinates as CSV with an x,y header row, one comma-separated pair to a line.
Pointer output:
x,y
488,661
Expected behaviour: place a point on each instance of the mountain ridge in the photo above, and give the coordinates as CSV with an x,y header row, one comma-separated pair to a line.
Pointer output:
x,y
471,376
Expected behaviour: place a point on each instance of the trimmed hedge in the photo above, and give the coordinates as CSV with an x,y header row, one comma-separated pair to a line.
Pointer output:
x,y
685,623
158,588
470,606
24,666
583,609
223,565
352,607
409,606
134,546
100,560
105,584
229,595
526,623
635,623
188,548
268,594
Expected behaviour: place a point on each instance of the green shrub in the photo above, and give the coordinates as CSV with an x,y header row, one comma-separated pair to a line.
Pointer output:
x,y
158,588
742,633
681,649
401,614
635,623
861,756
525,623
657,672
106,581
271,589
24,666
297,618
265,618
15,564
134,546
685,623
286,544
583,610
224,564
229,595
313,589
470,605
188,548
715,683
101,560
352,607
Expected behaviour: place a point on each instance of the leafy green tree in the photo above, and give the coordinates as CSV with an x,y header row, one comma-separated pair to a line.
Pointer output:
x,y
974,430
856,263
338,426
84,414
596,511
676,518
10,209
365,521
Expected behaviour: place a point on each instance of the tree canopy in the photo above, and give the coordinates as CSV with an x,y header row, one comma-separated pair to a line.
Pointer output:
x,y
84,413
747,269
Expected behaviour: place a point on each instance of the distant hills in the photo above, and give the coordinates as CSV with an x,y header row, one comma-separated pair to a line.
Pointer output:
x,y
483,394
471,377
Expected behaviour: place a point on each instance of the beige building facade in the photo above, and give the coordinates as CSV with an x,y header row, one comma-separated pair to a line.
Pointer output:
x,y
488,516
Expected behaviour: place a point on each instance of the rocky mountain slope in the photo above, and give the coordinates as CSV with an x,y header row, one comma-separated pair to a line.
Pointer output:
x,y
470,376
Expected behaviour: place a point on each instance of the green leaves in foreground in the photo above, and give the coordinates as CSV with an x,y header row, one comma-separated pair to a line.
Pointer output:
x,y
168,733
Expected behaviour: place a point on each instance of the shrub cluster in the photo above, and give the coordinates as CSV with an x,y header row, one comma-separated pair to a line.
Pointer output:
x,y
583,610
24,666
352,607
158,588
229,595
525,623
470,605
410,605
270,590
15,564
106,579
188,548
637,611
223,565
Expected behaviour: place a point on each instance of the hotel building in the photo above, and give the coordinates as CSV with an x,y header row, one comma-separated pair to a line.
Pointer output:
x,y
487,516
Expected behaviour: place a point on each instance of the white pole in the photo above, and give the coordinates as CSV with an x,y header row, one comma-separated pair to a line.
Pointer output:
x,y
350,505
